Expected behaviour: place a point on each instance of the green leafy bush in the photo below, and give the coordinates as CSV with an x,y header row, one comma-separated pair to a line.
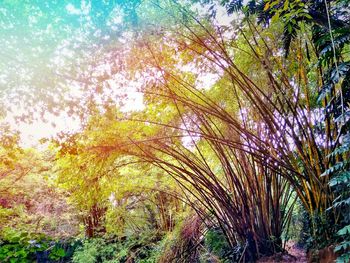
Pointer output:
x,y
142,249
216,243
94,250
20,247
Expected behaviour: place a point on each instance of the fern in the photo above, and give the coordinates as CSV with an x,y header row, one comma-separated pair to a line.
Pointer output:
x,y
339,42
340,185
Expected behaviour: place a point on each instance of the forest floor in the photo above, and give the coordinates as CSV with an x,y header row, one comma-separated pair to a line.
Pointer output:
x,y
295,254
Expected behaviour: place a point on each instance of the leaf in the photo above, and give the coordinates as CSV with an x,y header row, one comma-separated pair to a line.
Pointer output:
x,y
342,179
342,246
344,231
267,5
333,169
275,18
307,16
234,6
345,258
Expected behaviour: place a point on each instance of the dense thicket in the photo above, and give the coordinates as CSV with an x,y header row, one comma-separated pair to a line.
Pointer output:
x,y
243,129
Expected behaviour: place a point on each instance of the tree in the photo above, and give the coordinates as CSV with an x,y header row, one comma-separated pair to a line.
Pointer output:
x,y
115,193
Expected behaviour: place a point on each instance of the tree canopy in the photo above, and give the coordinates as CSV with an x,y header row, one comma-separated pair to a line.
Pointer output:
x,y
182,131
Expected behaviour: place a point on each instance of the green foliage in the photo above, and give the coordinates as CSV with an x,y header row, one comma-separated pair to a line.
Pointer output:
x,y
141,249
57,253
89,251
297,230
29,202
340,184
217,244
24,247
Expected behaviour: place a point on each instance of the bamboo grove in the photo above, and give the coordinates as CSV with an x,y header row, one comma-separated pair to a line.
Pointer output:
x,y
272,142
244,123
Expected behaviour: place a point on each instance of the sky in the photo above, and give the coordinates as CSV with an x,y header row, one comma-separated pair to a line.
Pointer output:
x,y
42,41
48,45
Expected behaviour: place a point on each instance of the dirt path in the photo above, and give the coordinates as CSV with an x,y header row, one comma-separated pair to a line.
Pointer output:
x,y
295,254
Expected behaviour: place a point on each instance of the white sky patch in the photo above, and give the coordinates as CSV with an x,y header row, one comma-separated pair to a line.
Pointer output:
x,y
189,138
84,9
134,102
71,9
31,133
189,141
207,80
222,18
116,17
